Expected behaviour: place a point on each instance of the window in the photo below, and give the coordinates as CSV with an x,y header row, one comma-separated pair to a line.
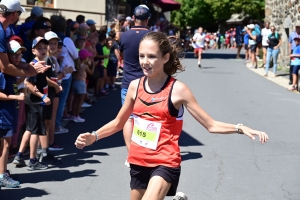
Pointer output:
x,y
41,3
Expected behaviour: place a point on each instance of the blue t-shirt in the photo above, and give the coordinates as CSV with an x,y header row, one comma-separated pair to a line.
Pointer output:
x,y
246,39
296,61
129,45
292,36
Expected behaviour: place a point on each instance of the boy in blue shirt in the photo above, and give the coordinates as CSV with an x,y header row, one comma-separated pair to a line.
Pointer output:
x,y
295,62
9,98
246,44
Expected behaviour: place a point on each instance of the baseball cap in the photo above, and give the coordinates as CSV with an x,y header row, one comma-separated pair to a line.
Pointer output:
x,y
40,25
12,5
83,54
129,18
84,25
80,38
251,26
296,38
51,35
90,22
15,46
37,40
37,11
16,38
142,12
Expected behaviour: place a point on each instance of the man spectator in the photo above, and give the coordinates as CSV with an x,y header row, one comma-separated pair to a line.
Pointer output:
x,y
80,19
92,24
129,48
239,40
292,45
265,32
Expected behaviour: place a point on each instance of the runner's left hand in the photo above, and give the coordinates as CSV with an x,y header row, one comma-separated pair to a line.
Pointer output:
x,y
84,139
263,137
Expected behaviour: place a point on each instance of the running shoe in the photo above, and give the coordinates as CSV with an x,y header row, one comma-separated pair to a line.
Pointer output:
x,y
19,161
61,130
68,117
293,89
49,159
36,166
78,119
86,105
8,182
127,164
180,196
55,147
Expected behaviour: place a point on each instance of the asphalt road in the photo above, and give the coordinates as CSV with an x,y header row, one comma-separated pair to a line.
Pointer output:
x,y
217,167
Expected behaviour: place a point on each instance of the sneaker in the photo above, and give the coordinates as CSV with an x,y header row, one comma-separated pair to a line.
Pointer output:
x,y
127,164
61,130
36,166
68,117
180,196
19,161
86,105
55,147
293,88
78,119
8,182
50,159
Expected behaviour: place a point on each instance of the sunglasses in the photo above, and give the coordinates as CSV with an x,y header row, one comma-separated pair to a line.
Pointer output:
x,y
15,56
19,13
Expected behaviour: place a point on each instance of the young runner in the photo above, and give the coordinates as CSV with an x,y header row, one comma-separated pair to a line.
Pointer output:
x,y
155,101
199,39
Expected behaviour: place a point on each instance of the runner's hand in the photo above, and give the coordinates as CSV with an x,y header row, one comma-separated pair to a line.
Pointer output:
x,y
263,137
84,140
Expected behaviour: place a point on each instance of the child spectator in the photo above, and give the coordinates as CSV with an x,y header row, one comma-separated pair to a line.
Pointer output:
x,y
79,84
106,52
35,103
246,44
295,63
8,109
114,57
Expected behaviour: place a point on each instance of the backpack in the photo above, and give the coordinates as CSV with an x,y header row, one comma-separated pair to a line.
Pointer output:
x,y
276,35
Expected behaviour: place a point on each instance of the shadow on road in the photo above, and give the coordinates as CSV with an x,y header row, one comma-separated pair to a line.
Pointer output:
x,y
22,193
212,54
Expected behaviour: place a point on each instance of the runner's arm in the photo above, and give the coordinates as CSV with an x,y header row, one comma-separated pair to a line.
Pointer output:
x,y
185,97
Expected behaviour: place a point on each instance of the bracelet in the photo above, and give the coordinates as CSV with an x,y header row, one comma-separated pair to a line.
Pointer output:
x,y
96,135
238,130
43,97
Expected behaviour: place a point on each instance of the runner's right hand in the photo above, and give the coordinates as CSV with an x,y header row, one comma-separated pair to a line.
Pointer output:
x,y
84,139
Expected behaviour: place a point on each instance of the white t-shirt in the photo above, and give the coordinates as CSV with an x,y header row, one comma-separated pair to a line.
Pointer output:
x,y
265,33
200,39
69,52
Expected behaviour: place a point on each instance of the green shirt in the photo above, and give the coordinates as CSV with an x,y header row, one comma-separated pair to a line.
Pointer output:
x,y
106,52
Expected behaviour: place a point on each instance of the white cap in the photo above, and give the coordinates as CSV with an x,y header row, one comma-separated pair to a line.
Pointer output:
x,y
129,18
51,35
251,26
12,5
38,40
15,46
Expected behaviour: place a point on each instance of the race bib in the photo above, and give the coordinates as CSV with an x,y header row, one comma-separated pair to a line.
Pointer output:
x,y
146,133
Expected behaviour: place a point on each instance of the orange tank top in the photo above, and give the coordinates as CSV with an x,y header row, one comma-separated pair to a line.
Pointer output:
x,y
157,127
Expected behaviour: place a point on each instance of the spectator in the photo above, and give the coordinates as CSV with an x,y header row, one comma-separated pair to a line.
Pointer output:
x,y
114,57
274,41
292,45
239,40
127,24
295,62
253,45
92,24
265,32
73,29
70,53
246,44
80,19
129,48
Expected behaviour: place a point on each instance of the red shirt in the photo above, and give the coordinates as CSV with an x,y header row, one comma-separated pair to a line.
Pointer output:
x,y
155,107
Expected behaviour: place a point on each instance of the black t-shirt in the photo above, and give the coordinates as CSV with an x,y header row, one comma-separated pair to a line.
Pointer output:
x,y
129,45
99,49
273,40
112,54
40,81
51,73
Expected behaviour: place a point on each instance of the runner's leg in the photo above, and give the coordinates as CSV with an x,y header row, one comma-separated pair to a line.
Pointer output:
x,y
157,189
136,194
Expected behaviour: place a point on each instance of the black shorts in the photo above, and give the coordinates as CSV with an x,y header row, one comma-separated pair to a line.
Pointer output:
x,y
112,68
4,133
140,176
100,69
265,47
253,48
35,119
246,46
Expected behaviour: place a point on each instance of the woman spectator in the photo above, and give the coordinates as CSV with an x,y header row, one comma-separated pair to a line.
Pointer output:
x,y
253,45
274,42
70,53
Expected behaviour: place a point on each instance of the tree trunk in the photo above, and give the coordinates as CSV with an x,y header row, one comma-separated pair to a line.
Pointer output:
x,y
112,8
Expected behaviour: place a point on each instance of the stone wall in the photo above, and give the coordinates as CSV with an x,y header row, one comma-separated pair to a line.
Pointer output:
x,y
283,14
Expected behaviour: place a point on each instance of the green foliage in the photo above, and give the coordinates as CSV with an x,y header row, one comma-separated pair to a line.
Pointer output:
x,y
208,12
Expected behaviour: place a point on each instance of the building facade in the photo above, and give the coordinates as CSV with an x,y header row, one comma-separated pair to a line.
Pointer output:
x,y
283,14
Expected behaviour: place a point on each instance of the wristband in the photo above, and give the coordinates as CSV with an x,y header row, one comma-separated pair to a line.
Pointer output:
x,y
43,97
237,129
96,135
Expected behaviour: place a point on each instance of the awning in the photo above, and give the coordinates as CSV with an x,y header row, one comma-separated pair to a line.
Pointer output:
x,y
166,5
237,18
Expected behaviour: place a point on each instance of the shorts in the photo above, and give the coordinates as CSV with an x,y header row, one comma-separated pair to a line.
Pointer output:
x,y
5,133
36,116
123,97
100,69
112,68
198,50
140,176
253,48
295,69
265,47
78,87
246,47
239,44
